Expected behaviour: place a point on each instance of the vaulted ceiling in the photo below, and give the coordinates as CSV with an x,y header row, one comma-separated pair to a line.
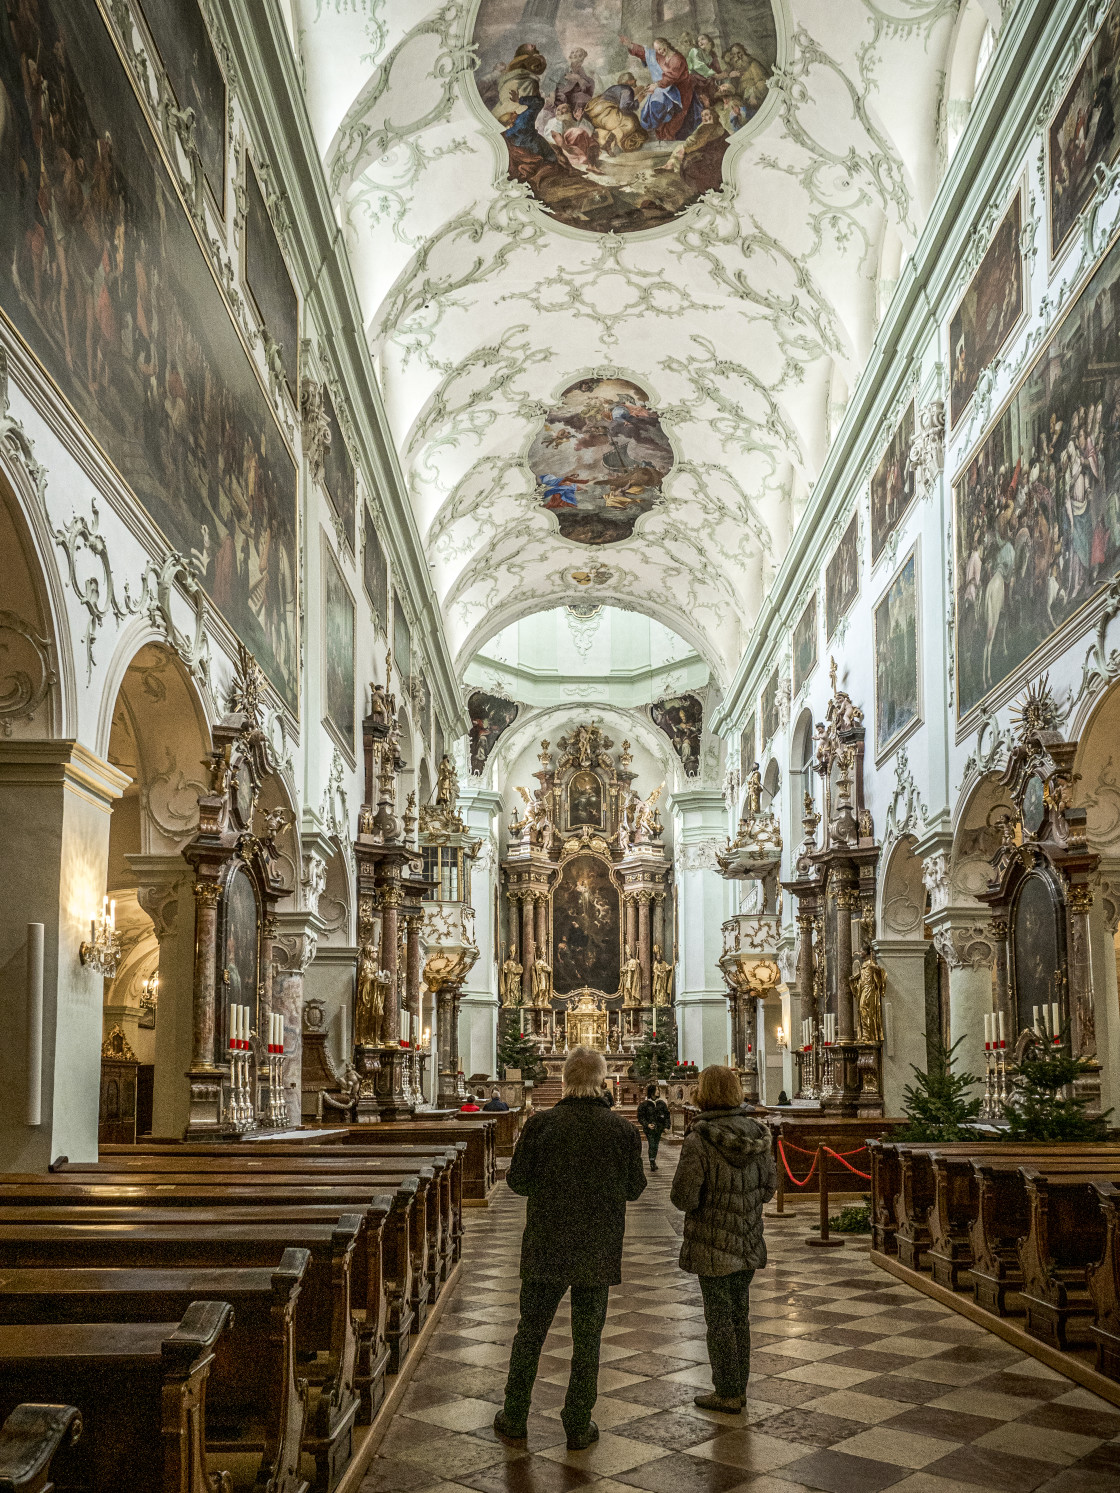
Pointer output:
x,y
746,319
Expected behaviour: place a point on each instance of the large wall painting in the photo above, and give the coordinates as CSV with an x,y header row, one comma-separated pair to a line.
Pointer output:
x,y
375,572
681,717
240,946
402,641
183,42
897,684
615,116
747,751
1083,132
586,927
338,650
101,274
600,459
892,484
1037,506
990,310
270,284
339,477
805,645
490,716
841,577
768,709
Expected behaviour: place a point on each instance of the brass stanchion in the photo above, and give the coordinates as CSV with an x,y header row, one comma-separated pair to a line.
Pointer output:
x,y
824,1242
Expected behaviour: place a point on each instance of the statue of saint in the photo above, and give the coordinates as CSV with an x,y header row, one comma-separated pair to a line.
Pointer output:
x,y
662,978
643,815
754,792
447,784
867,987
631,979
542,983
510,982
372,993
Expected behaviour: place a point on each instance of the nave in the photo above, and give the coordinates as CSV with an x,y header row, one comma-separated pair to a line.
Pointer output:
x,y
858,1383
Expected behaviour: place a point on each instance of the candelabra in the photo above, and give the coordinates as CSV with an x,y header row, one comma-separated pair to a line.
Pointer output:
x,y
102,951
995,1058
242,1111
277,1102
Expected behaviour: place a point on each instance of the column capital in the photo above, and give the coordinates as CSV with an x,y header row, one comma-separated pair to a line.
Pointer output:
x,y
39,764
965,938
159,880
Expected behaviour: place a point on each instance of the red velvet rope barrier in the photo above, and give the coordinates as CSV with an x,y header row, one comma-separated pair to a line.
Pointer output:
x,y
804,1181
840,1154
840,1158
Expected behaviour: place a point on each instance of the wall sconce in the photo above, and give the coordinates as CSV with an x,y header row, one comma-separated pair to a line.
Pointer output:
x,y
102,952
149,992
782,1039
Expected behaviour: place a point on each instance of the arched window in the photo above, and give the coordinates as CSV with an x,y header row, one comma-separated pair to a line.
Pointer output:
x,y
802,777
969,57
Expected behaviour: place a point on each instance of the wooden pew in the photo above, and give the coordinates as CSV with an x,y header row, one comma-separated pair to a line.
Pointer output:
x,y
912,1205
326,1340
884,1190
392,1242
29,1439
1104,1284
481,1167
141,1391
254,1402
1066,1235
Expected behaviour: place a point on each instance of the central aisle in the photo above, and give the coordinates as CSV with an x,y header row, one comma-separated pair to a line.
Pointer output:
x,y
858,1383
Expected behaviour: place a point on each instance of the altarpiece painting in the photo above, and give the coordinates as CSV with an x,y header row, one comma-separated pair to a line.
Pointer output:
x,y
1083,132
375,572
841,577
599,460
586,919
585,801
892,484
239,943
268,280
1037,505
992,306
805,644
1037,928
121,308
681,717
617,114
897,686
490,716
182,40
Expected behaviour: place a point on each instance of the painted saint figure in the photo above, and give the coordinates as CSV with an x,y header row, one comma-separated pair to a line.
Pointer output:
x,y
670,109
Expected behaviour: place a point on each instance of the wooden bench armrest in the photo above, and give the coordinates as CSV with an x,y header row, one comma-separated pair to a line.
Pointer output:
x,y
291,1270
202,1325
29,1439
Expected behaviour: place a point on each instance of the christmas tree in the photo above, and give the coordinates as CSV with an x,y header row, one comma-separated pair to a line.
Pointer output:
x,y
937,1106
1038,1110
516,1050
655,1056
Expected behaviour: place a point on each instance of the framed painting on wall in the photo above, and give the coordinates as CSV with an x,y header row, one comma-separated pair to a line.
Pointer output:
x,y
159,375
892,484
338,652
339,477
747,750
402,641
375,572
240,945
990,309
269,283
897,675
1036,532
805,645
769,709
586,927
183,42
490,716
681,717
841,577
1083,133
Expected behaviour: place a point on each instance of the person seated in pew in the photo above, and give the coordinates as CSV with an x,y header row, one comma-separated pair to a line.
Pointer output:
x,y
579,1165
496,1102
470,1106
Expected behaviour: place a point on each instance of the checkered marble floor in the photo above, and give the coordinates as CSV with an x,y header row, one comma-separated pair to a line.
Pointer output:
x,y
857,1383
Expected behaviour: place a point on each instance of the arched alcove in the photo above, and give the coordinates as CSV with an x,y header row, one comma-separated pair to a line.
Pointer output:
x,y
30,696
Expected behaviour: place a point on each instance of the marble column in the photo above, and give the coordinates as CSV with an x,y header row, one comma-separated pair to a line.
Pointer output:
x,y
390,931
631,923
845,999
207,895
55,801
528,947
1001,994
412,924
448,1058
659,921
705,902
645,953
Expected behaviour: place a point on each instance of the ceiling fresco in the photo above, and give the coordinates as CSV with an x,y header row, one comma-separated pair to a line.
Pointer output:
x,y
746,318
614,132
599,460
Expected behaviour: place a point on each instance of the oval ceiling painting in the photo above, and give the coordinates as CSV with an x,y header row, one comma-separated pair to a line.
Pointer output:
x,y
617,113
599,460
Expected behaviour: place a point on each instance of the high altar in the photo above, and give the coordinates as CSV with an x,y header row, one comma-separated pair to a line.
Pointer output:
x,y
587,955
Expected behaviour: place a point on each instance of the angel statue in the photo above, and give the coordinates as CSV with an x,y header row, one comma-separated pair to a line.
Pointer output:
x,y
510,983
868,985
631,979
643,815
536,815
542,983
662,978
351,1093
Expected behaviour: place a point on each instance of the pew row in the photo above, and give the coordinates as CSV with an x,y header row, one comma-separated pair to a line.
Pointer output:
x,y
29,1439
255,1404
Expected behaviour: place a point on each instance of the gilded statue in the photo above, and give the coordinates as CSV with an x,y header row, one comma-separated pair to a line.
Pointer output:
x,y
631,979
868,986
662,978
372,996
754,793
510,982
542,983
447,784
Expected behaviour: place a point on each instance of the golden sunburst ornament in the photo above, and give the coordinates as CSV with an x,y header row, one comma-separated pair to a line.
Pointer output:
x,y
1036,711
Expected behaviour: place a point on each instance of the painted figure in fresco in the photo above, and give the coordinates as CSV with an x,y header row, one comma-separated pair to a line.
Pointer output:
x,y
671,108
631,979
662,978
510,982
614,113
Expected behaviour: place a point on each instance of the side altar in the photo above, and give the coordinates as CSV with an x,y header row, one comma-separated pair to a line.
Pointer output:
x,y
588,926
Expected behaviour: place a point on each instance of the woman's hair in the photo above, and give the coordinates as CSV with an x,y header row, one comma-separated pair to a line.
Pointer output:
x,y
651,1091
585,1073
719,1088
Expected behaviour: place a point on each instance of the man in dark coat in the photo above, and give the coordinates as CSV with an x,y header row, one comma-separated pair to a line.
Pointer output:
x,y
579,1165
654,1119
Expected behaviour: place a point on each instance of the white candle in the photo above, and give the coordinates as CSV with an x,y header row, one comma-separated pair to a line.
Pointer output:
x,y
1034,1021
987,1039
112,915
1057,1031
1002,1030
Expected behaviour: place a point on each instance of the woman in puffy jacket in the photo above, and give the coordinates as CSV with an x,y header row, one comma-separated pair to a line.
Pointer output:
x,y
725,1174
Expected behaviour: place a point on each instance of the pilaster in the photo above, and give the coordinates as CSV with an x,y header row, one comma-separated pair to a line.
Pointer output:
x,y
703,904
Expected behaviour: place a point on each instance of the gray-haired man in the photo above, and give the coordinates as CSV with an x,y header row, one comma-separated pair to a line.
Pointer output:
x,y
579,1165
